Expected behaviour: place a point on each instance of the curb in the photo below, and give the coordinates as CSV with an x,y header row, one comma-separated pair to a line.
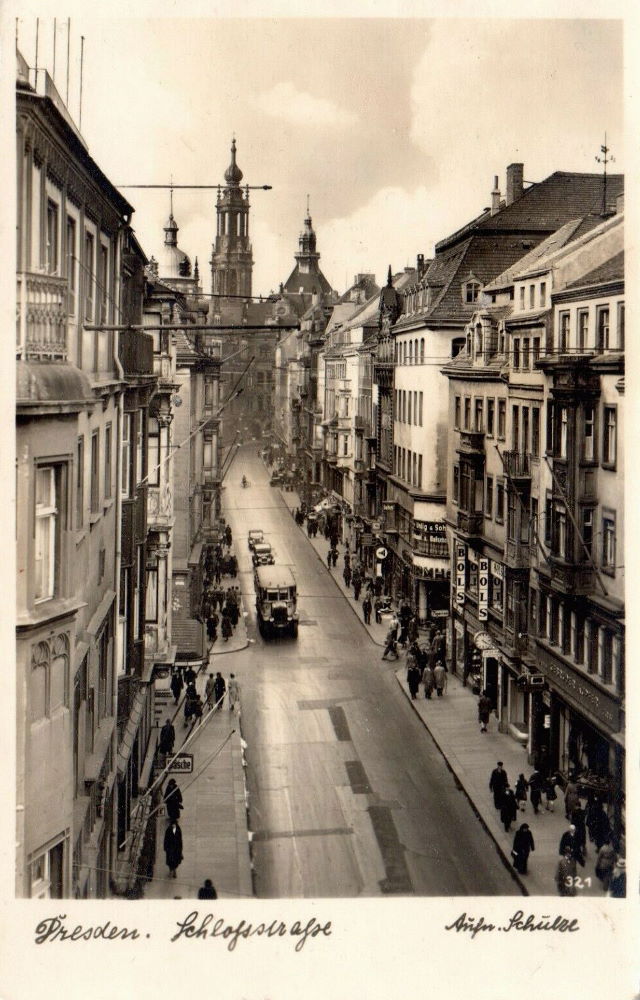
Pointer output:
x,y
504,857
222,652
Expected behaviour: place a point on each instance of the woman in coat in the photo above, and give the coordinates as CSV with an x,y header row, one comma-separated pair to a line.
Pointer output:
x,y
440,678
176,685
509,808
484,711
428,681
521,791
550,792
173,847
173,800
227,627
571,798
413,676
522,846
605,862
535,787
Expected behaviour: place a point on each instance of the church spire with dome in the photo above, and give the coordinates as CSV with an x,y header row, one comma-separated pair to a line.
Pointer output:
x,y
172,261
306,277
231,258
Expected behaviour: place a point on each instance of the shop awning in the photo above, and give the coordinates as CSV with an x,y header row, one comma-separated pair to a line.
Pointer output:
x,y
124,750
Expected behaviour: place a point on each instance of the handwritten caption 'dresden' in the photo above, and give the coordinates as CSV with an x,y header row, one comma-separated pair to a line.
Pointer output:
x,y
194,925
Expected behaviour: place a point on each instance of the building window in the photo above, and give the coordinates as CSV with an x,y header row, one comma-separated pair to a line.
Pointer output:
x,y
140,422
49,686
533,519
589,434
479,415
535,350
500,502
560,530
621,326
103,280
467,488
488,502
491,407
564,428
457,346
602,328
80,482
471,291
583,330
419,483
89,273
153,452
522,294
525,354
46,874
420,409
532,296
47,528
107,462
53,237
587,530
563,338
609,543
512,519
422,350
479,341
543,294
516,352
456,484
609,442
456,413
467,413
515,428
95,472
125,460
71,266
409,407
535,431
502,419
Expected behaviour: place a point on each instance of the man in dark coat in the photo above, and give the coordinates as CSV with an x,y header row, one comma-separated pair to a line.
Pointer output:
x,y
219,688
366,610
497,783
598,824
176,685
207,891
173,847
522,846
508,808
173,800
190,676
167,737
414,677
570,841
357,587
535,789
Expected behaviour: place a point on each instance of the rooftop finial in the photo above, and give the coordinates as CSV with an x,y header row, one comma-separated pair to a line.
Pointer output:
x,y
604,159
171,197
307,205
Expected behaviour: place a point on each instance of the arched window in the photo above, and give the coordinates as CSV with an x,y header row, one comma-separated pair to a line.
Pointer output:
x,y
404,352
422,350
410,352
40,659
415,352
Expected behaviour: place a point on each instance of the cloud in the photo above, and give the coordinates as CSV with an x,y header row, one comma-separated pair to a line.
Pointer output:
x,y
285,101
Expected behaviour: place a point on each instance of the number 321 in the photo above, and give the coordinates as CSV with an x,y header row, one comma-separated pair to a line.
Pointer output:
x,y
578,882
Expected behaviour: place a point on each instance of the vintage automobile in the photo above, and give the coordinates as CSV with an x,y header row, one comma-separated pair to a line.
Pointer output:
x,y
255,535
276,601
262,554
277,479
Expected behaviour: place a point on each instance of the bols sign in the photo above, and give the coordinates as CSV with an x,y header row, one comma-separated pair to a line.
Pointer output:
x,y
460,573
483,588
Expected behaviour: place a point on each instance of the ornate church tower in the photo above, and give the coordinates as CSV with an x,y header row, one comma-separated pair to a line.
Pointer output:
x,y
231,259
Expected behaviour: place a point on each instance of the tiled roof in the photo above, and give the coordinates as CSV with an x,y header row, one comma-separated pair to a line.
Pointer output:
x,y
553,242
611,270
307,281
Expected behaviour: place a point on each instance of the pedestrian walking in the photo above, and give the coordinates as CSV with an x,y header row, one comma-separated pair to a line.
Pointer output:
x,y
597,823
207,891
334,556
570,841
227,627
566,874
523,844
190,676
212,627
173,847
521,788
208,692
177,685
550,792
219,688
508,808
428,681
190,698
618,880
605,863
167,737
357,587
329,558
484,711
413,679
577,819
440,679
377,605
346,575
535,789
233,692
390,642
173,800
497,783
366,610
571,797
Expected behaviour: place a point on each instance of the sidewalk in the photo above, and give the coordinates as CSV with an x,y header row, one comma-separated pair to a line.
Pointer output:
x,y
214,818
471,755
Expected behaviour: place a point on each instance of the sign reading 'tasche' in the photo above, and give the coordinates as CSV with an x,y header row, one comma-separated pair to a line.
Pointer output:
x,y
181,762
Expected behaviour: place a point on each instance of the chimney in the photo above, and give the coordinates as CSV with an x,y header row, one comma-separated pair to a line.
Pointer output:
x,y
495,197
515,182
420,264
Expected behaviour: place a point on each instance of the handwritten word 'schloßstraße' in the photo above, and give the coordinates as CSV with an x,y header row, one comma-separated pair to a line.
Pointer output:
x,y
518,922
195,926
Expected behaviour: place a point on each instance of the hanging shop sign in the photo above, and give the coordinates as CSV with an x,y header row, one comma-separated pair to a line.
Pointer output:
x,y
461,551
483,588
366,539
180,762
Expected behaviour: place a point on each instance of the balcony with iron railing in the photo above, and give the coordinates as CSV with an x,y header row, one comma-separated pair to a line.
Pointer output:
x,y
517,464
471,442
41,317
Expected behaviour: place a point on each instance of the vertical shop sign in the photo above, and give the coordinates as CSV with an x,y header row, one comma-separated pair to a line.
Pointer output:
x,y
483,588
460,573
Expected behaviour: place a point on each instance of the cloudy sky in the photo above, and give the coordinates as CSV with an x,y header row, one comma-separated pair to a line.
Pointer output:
x,y
395,128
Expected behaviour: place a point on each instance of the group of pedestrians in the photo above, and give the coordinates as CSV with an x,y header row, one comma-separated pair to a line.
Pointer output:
x,y
228,602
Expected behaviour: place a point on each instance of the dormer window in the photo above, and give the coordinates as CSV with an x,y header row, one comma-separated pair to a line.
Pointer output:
x,y
471,291
479,341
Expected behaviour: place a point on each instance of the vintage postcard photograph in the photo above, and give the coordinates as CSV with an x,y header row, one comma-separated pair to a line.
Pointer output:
x,y
317,510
